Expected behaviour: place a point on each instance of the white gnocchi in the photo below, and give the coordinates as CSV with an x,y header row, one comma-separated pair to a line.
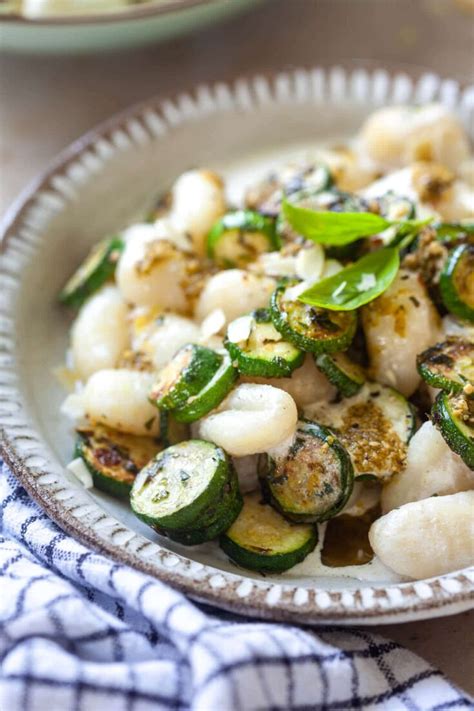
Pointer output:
x,y
429,537
252,419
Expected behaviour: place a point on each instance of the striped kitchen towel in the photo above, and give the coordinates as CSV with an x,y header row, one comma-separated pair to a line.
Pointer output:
x,y
81,633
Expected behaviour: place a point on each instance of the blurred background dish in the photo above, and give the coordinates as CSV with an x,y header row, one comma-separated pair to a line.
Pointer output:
x,y
66,26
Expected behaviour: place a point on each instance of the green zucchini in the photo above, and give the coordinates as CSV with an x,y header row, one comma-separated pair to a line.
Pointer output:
x,y
313,480
113,458
185,375
211,395
310,328
263,352
239,237
261,539
346,376
98,266
457,282
307,181
172,431
188,492
396,207
449,232
448,365
453,414
374,426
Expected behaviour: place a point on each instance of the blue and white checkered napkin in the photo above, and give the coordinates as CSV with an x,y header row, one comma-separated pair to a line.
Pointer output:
x,y
80,633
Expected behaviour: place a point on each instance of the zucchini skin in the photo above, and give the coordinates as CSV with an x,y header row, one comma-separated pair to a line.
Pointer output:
x,y
447,422
273,477
249,364
172,431
186,374
276,563
90,277
210,396
259,534
117,486
242,222
332,330
205,516
461,257
442,356
346,383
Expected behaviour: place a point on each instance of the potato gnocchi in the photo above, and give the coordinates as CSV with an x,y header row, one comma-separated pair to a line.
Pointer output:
x,y
244,373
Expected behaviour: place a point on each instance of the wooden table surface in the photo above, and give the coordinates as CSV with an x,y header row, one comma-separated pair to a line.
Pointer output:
x,y
47,102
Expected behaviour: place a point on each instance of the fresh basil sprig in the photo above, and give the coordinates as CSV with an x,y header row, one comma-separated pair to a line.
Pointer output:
x,y
339,228
356,284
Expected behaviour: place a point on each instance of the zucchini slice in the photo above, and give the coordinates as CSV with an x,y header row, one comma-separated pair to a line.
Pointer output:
x,y
454,417
211,395
172,431
188,492
374,426
453,232
308,327
396,207
313,480
346,376
263,352
185,375
448,365
239,237
98,266
456,282
113,458
261,539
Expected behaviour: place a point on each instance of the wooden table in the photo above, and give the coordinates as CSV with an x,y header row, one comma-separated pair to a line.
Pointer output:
x,y
47,102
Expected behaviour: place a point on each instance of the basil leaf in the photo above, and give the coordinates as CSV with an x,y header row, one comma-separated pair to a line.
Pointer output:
x,y
356,284
339,228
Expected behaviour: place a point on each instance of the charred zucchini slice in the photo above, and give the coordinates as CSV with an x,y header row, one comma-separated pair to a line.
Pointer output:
x,y
308,327
454,417
98,266
185,375
211,395
457,282
313,480
261,539
448,365
346,376
239,237
374,426
260,349
188,492
113,458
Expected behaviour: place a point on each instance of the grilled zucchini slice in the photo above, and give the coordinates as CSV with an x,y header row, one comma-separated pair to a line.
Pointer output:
x,y
239,237
454,417
261,539
188,492
263,352
308,327
457,282
185,375
98,266
448,365
211,395
313,480
346,376
113,458
374,426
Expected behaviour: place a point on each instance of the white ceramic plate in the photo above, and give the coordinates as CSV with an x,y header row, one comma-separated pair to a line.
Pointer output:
x,y
135,26
101,183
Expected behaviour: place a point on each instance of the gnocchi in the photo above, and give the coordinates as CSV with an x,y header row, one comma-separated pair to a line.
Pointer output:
x,y
253,419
